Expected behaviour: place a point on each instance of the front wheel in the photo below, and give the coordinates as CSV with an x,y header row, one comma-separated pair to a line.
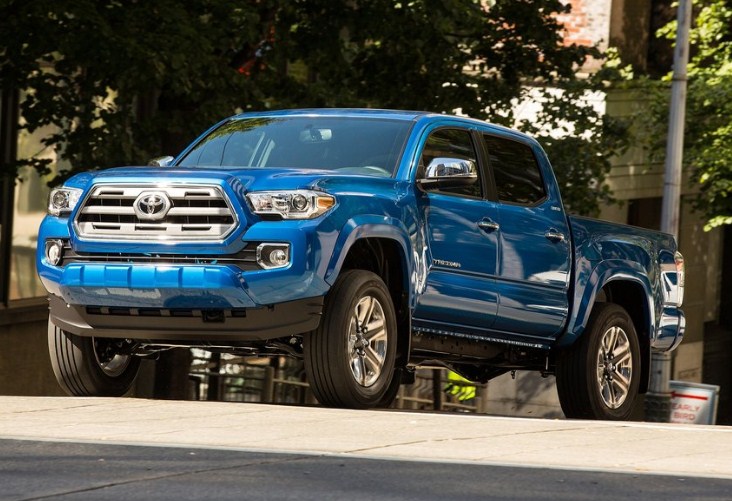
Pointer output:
x,y
88,366
598,377
350,357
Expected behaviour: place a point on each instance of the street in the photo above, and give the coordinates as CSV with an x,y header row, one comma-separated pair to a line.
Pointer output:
x,y
58,470
76,448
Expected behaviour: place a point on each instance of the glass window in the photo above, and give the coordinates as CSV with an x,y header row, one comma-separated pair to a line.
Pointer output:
x,y
518,178
31,195
452,143
366,146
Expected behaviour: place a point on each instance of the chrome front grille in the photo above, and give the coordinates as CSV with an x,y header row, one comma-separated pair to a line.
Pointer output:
x,y
150,212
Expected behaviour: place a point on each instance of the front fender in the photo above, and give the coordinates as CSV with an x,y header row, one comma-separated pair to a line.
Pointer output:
x,y
369,226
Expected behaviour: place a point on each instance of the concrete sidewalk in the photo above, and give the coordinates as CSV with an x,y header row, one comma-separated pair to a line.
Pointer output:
x,y
680,450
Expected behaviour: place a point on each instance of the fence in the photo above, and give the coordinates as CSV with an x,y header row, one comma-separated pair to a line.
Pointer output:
x,y
281,380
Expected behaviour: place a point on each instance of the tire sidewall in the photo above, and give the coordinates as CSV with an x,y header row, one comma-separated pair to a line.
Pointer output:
x,y
372,286
326,353
612,317
109,385
76,368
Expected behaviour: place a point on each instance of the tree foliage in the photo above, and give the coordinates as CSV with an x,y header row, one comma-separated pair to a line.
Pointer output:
x,y
708,128
710,111
125,81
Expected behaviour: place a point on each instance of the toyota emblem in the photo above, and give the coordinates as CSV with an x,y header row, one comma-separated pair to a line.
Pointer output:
x,y
152,205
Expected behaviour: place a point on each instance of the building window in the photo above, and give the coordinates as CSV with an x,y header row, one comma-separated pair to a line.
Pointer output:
x,y
645,212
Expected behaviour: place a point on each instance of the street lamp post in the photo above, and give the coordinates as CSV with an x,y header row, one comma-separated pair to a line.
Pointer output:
x,y
658,399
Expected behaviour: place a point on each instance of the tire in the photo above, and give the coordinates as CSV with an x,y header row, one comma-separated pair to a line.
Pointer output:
x,y
87,366
347,366
598,377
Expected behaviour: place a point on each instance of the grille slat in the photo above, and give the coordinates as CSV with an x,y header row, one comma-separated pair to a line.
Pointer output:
x,y
105,209
246,259
191,213
198,211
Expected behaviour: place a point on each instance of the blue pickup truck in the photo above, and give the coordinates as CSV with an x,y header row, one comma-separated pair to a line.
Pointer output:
x,y
367,243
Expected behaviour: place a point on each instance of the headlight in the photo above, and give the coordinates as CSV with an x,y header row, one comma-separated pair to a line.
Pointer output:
x,y
297,204
63,200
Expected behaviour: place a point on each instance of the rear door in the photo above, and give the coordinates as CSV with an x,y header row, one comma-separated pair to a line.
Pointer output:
x,y
460,228
534,256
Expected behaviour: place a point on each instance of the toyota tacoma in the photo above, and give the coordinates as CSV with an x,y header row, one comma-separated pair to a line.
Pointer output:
x,y
366,243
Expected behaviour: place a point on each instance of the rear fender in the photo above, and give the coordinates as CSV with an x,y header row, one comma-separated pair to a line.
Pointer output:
x,y
584,298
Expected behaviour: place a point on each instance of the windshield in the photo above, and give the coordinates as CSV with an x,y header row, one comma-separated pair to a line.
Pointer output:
x,y
368,146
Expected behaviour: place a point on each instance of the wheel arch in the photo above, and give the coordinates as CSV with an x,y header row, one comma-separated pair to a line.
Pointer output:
x,y
631,296
623,283
385,257
369,239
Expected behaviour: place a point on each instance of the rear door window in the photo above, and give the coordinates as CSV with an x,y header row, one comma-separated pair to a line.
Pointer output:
x,y
517,175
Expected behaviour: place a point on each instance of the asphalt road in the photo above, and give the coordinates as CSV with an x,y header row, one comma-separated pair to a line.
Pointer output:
x,y
104,448
31,470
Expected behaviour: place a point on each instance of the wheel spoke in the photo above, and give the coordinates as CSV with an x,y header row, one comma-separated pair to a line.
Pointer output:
x,y
607,393
363,309
611,340
622,382
362,368
614,367
367,341
377,335
357,366
370,311
373,362
623,357
352,337
375,325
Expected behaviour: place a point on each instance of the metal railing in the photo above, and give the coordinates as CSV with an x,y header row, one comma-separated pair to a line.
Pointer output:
x,y
281,380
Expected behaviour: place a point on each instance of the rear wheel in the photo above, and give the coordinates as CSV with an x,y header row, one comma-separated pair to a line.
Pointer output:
x,y
350,357
599,376
88,366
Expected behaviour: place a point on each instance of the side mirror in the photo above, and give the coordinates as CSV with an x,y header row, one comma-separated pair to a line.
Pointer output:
x,y
446,172
161,161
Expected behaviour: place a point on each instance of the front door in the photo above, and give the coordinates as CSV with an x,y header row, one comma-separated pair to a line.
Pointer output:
x,y
459,293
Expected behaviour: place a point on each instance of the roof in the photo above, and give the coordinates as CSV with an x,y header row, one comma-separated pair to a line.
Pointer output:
x,y
340,112
379,113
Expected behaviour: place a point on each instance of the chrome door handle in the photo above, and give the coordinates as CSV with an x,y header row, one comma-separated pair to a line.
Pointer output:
x,y
488,225
554,235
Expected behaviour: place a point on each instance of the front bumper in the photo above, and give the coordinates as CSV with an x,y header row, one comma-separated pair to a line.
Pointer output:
x,y
184,291
670,330
188,324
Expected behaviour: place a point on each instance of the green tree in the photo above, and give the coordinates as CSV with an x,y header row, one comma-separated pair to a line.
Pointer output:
x,y
708,129
709,124
126,81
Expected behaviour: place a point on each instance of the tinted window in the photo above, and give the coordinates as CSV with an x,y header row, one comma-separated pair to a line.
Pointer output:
x,y
518,179
365,146
453,143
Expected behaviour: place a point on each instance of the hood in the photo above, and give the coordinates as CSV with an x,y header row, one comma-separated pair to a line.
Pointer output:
x,y
240,181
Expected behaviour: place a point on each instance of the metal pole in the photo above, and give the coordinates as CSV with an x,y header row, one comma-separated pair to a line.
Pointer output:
x,y
658,399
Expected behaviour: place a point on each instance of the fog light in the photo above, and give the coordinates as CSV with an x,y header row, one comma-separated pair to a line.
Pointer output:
x,y
278,257
273,255
54,251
